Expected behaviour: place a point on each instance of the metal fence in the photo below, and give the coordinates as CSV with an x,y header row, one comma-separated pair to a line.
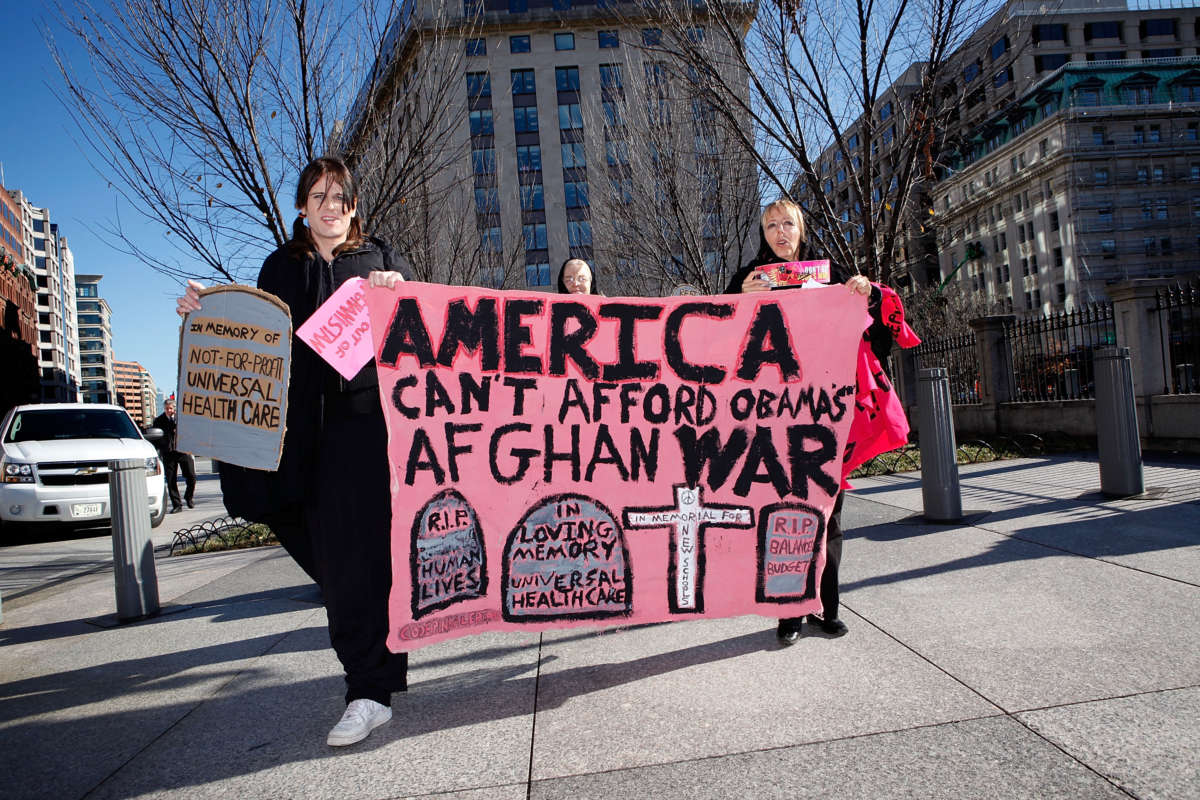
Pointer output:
x,y
1052,356
1181,343
958,355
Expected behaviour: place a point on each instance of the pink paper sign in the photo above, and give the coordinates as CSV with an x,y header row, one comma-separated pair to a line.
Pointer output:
x,y
340,329
577,460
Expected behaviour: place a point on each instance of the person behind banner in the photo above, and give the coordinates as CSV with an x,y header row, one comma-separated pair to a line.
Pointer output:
x,y
331,492
575,276
783,238
175,461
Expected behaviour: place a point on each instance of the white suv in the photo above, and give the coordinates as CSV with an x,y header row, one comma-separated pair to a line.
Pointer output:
x,y
54,463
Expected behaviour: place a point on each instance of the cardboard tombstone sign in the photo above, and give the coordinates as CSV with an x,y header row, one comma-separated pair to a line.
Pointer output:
x,y
579,460
235,357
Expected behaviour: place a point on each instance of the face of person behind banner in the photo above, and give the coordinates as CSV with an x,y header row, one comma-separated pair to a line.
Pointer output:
x,y
782,232
328,211
577,277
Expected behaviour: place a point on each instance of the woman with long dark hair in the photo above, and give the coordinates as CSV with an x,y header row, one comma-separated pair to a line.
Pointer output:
x,y
330,500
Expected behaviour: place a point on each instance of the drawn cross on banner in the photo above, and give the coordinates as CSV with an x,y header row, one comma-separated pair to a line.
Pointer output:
x,y
687,520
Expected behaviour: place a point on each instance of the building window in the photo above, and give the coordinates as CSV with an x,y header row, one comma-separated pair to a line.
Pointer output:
x,y
1155,134
1187,93
534,236
1137,94
523,81
476,47
1139,134
999,48
1101,30
566,79
576,194
1160,208
1108,248
518,44
562,5
483,161
490,240
1058,257
885,111
569,117
1193,132
564,41
610,76
607,39
479,84
525,119
1169,52
481,122
529,158
1104,215
537,274
1053,220
573,155
579,233
1160,173
1098,135
651,37
1157,27
1149,245
532,197
613,117
1100,176
487,200
971,72
518,6
1050,33
1050,61
695,35
616,153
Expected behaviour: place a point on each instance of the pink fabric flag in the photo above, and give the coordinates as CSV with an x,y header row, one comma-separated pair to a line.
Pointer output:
x,y
568,460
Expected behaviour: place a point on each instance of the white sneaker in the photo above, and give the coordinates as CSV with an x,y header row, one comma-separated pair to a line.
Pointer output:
x,y
361,717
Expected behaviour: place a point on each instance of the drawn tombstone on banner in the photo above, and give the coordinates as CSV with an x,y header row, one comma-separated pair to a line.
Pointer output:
x,y
448,556
566,559
235,357
788,538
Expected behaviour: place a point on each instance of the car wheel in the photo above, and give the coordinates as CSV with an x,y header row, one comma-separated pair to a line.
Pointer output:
x,y
156,519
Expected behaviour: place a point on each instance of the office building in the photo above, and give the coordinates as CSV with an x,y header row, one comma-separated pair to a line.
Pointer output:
x,y
136,391
554,152
19,376
54,271
98,384
1069,156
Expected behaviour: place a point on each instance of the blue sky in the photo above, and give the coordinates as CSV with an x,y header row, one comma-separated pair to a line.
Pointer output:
x,y
41,158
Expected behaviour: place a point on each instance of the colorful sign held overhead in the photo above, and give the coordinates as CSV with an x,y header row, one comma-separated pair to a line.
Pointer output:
x,y
577,460
234,364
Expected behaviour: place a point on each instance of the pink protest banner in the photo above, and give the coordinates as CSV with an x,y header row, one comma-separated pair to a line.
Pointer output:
x,y
565,460
340,330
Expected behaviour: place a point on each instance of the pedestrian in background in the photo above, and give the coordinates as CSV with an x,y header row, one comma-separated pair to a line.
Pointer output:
x,y
576,277
175,461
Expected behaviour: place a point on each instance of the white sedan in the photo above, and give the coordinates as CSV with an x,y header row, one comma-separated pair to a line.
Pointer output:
x,y
54,463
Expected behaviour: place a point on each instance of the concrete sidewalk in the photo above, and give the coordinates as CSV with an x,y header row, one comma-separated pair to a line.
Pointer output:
x,y
1048,647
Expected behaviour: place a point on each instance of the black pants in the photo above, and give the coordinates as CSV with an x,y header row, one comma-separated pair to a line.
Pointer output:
x,y
350,522
833,558
172,463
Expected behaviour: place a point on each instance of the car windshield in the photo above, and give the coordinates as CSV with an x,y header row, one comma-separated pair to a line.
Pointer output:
x,y
72,423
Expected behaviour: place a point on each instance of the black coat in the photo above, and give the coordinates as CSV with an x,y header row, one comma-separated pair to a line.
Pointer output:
x,y
166,444
304,280
878,335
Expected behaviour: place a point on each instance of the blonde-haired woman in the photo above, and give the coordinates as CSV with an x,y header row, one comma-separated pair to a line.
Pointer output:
x,y
783,239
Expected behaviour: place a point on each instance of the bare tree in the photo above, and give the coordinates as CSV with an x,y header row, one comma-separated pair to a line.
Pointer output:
x,y
867,78
679,203
202,112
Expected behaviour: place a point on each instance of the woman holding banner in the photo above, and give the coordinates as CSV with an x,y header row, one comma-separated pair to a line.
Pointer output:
x,y
329,503
783,239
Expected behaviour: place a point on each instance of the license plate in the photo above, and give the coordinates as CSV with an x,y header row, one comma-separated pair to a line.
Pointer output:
x,y
79,510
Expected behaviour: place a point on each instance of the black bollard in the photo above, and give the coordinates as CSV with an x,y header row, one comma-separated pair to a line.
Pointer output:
x,y
940,493
1116,424
133,551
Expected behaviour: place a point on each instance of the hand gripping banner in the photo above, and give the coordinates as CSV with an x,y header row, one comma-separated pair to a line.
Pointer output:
x,y
567,460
